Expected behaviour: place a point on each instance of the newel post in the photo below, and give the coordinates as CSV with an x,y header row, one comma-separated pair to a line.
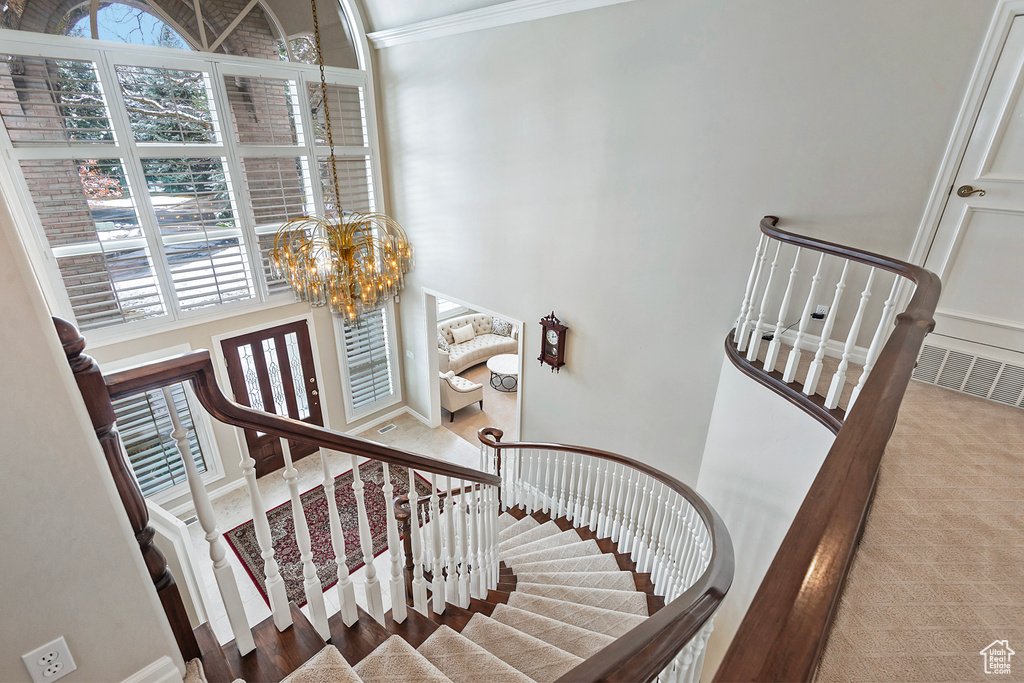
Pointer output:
x,y
101,411
403,515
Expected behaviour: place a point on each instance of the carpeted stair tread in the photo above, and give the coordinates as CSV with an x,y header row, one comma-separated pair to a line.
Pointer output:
x,y
395,661
622,581
628,602
573,639
553,541
463,661
505,520
604,621
588,563
517,527
326,666
543,531
577,549
540,661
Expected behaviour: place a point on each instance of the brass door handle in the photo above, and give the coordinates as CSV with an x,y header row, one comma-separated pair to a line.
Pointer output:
x,y
967,191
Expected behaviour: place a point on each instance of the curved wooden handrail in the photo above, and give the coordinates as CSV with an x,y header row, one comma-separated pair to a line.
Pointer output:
x,y
783,633
196,367
642,653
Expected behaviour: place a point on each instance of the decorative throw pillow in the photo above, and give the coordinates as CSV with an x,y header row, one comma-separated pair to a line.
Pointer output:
x,y
463,334
442,343
501,327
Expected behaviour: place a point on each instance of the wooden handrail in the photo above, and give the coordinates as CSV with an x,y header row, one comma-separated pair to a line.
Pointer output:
x,y
784,630
643,652
196,367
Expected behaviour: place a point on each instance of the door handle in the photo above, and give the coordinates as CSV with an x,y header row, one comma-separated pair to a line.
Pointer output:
x,y
967,191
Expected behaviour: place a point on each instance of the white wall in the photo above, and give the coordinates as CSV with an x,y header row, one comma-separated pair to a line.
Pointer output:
x,y
68,560
761,456
613,165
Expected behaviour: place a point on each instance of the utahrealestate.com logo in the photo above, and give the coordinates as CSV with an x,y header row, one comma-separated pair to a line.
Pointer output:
x,y
997,657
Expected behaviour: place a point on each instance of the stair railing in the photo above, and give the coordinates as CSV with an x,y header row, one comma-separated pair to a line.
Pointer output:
x,y
783,632
665,526
477,528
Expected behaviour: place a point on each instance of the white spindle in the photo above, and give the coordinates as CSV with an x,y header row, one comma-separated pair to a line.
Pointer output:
x,y
275,584
744,329
310,581
615,506
492,545
345,588
541,499
839,379
437,566
208,520
750,289
595,506
793,364
814,372
476,531
643,493
590,501
464,551
398,594
451,556
605,518
776,343
881,332
419,585
549,479
755,336
374,597
628,514
577,479
563,468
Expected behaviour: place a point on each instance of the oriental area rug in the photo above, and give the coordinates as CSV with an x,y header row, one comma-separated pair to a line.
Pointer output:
x,y
242,538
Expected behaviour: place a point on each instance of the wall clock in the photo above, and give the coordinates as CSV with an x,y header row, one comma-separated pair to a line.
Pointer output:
x,y
552,342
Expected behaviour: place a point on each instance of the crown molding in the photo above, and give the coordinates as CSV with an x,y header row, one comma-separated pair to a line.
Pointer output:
x,y
503,14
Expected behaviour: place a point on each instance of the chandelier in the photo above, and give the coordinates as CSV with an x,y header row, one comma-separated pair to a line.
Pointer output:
x,y
350,261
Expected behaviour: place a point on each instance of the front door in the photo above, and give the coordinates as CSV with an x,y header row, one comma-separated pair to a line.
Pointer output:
x,y
978,248
272,370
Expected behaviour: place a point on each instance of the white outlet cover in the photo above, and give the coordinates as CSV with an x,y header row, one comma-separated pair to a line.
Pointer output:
x,y
821,310
409,353
50,662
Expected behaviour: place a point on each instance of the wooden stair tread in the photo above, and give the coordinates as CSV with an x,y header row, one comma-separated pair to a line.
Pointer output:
x,y
414,630
215,666
277,653
358,640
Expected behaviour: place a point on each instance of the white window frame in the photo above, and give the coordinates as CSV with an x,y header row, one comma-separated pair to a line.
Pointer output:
x,y
200,421
104,54
352,414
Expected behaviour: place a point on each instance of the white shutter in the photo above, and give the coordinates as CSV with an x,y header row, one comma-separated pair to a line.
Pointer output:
x,y
368,357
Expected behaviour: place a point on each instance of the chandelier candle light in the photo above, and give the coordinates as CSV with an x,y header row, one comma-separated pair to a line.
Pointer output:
x,y
351,262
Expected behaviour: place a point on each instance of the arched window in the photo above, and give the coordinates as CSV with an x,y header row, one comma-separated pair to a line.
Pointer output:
x,y
122,23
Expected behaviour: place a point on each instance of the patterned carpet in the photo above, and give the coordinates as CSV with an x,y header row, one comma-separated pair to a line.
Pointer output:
x,y
242,538
940,570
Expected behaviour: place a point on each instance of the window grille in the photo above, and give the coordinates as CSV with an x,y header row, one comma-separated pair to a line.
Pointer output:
x,y
368,356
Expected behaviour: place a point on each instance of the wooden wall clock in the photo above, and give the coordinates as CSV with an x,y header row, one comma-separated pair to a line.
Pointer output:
x,y
552,342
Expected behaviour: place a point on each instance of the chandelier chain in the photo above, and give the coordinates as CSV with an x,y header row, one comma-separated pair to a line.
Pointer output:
x,y
327,109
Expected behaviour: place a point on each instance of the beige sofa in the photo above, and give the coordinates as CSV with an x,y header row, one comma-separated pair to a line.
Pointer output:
x,y
486,344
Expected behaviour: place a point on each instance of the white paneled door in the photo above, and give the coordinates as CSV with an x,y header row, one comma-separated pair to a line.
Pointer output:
x,y
978,249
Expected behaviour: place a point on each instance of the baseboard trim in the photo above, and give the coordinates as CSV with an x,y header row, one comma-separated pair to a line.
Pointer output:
x,y
377,421
163,670
504,14
418,416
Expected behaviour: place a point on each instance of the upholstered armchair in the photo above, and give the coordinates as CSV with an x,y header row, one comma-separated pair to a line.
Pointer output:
x,y
458,392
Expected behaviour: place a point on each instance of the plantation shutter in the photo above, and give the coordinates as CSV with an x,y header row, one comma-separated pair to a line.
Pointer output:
x,y
369,359
144,423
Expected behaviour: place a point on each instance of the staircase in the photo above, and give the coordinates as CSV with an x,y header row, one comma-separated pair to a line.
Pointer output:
x,y
563,595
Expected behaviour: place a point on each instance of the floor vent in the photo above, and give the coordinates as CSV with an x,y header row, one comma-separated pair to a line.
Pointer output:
x,y
191,520
970,374
385,429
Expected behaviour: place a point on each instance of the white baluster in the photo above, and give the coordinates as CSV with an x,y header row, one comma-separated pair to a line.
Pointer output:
x,y
643,494
628,514
755,336
451,546
464,551
374,597
589,503
776,343
549,477
437,568
839,379
793,364
476,534
275,584
564,503
208,520
310,581
814,372
398,594
540,499
881,332
577,485
419,585
614,503
492,545
744,328
654,547
750,289
604,518
345,588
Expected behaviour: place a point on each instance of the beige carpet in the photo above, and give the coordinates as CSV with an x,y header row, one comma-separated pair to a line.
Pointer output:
x,y
499,410
939,574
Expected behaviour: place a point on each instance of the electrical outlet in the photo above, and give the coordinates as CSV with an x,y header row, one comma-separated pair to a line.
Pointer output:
x,y
820,312
50,662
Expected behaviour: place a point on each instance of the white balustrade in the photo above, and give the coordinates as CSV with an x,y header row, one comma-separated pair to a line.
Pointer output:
x,y
345,588
878,340
276,592
755,336
462,510
419,585
451,546
748,318
437,587
748,293
814,372
218,549
374,597
477,580
793,363
839,378
310,581
776,343
398,594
